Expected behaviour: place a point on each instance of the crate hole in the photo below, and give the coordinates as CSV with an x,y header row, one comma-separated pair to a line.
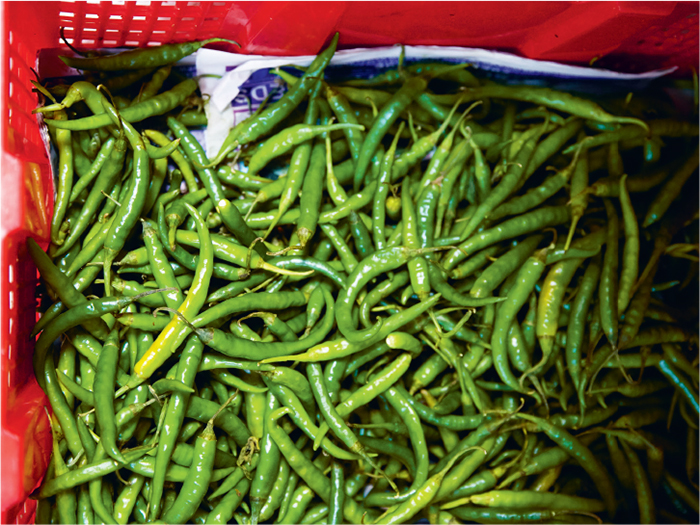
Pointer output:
x,y
115,17
10,37
12,88
66,13
95,2
133,43
92,16
11,299
143,2
118,2
110,42
219,4
153,44
168,4
11,64
10,270
191,4
10,325
139,18
88,41
158,32
90,29
187,18
163,18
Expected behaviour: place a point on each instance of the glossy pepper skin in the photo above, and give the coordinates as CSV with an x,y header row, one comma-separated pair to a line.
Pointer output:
x,y
456,292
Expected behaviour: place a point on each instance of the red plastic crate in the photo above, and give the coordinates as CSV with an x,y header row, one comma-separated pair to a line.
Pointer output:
x,y
625,36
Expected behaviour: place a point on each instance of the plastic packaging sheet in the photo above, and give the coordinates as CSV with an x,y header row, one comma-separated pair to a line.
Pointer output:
x,y
247,80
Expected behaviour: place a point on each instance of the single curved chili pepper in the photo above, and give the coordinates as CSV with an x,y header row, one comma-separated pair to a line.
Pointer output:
x,y
162,270
552,99
608,277
65,179
140,58
130,210
579,314
630,253
526,223
530,498
417,266
295,381
360,234
681,490
647,512
104,395
160,153
671,189
337,498
679,382
346,255
310,263
610,186
550,301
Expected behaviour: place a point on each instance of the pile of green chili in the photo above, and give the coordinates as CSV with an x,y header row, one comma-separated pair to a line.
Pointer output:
x,y
463,302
